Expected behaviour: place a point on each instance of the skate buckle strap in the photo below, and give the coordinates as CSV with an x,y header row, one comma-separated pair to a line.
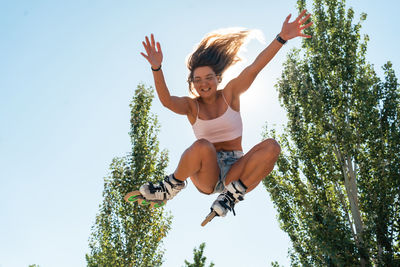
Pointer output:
x,y
161,188
231,198
238,193
226,206
165,190
167,181
152,189
176,184
231,202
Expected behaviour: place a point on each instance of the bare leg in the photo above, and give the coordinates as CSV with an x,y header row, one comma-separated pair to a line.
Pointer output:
x,y
255,164
199,162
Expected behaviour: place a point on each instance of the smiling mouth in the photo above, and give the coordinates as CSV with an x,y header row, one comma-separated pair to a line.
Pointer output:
x,y
206,89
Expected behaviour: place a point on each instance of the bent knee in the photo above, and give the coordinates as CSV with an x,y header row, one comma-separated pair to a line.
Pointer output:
x,y
272,146
202,143
203,188
206,192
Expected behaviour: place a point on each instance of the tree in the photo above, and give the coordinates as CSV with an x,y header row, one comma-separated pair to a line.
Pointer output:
x,y
337,185
275,264
198,258
126,234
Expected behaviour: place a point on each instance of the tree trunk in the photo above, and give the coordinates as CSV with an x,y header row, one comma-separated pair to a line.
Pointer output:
x,y
352,194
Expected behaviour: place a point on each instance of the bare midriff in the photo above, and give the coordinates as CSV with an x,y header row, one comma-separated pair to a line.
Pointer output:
x,y
235,144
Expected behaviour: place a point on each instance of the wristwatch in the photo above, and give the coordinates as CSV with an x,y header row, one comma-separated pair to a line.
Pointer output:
x,y
279,39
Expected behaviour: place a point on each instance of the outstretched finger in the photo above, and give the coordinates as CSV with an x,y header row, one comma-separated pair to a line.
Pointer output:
x,y
305,35
146,47
301,15
147,41
152,41
306,26
159,48
305,19
288,18
145,56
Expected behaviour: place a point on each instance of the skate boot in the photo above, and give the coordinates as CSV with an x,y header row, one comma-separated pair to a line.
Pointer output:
x,y
226,201
164,190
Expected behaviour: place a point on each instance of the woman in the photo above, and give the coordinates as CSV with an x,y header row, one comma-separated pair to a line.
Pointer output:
x,y
215,162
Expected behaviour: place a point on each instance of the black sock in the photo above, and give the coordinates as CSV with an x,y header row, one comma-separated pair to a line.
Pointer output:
x,y
178,181
242,184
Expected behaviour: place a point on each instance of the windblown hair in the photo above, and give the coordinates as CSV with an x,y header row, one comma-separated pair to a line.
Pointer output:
x,y
217,50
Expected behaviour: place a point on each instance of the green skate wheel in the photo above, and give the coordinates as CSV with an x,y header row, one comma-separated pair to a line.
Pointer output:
x,y
144,202
133,198
157,205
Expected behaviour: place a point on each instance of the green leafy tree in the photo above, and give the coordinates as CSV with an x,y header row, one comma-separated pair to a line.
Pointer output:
x,y
126,234
198,259
337,185
275,264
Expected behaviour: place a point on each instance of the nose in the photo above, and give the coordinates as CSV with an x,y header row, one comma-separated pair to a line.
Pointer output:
x,y
203,81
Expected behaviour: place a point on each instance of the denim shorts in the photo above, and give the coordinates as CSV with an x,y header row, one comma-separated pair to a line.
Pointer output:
x,y
225,161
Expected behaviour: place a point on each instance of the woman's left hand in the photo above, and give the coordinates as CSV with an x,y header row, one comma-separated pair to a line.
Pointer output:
x,y
294,29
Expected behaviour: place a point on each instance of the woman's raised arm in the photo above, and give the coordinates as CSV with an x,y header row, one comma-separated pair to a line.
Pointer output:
x,y
289,31
154,56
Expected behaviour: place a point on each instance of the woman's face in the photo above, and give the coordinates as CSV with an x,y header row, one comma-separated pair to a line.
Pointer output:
x,y
205,81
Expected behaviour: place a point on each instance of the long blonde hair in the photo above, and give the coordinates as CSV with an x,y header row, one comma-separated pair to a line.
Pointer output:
x,y
217,50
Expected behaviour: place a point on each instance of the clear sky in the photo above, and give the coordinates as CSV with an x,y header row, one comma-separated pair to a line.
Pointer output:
x,y
68,70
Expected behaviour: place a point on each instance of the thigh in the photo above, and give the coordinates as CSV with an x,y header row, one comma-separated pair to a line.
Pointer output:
x,y
237,168
267,146
207,177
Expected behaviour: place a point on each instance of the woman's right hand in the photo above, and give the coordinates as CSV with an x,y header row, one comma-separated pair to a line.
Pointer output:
x,y
154,56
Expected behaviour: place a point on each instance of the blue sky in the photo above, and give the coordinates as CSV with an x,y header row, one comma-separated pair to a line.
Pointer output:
x,y
68,70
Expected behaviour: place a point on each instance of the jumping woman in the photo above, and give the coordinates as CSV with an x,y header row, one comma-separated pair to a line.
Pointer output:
x,y
215,162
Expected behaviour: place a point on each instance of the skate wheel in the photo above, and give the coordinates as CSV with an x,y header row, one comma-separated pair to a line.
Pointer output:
x,y
157,205
144,202
136,196
209,218
132,196
133,199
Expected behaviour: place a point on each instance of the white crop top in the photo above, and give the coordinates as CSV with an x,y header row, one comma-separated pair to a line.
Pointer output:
x,y
226,127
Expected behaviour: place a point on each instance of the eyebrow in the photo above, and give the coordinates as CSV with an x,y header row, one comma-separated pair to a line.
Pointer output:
x,y
210,74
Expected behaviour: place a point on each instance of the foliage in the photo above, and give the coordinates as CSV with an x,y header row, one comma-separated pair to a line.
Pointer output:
x,y
337,184
198,258
126,234
275,264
